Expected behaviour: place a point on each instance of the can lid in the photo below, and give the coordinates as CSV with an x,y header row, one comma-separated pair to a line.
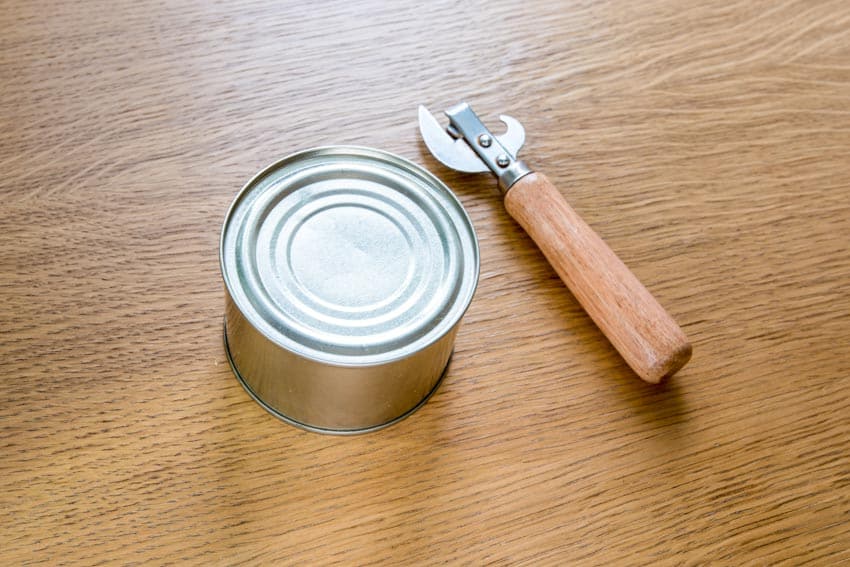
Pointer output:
x,y
349,255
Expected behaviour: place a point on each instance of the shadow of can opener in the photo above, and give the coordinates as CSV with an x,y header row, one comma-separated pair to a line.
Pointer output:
x,y
644,334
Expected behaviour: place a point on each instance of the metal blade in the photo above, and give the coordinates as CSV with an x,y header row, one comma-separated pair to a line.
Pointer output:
x,y
514,137
452,153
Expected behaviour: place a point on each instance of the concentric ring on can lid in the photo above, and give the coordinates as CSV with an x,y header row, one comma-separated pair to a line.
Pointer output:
x,y
349,255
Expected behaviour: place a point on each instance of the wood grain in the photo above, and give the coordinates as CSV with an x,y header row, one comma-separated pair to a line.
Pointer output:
x,y
707,143
648,339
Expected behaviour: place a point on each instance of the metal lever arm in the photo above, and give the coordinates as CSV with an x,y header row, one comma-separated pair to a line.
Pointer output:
x,y
499,159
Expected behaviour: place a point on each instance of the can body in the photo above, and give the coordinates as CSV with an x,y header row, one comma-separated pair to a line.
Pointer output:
x,y
347,271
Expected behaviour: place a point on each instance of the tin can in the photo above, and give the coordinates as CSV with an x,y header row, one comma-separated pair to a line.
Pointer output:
x,y
347,271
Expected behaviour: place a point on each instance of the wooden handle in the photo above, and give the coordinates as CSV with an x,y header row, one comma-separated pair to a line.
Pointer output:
x,y
641,330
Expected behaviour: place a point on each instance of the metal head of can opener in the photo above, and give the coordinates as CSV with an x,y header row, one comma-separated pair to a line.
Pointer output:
x,y
646,336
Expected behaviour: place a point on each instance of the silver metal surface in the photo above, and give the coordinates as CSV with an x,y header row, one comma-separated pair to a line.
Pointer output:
x,y
451,152
274,411
347,271
514,137
511,174
475,149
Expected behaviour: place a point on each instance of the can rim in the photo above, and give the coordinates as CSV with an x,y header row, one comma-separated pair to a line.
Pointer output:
x,y
462,302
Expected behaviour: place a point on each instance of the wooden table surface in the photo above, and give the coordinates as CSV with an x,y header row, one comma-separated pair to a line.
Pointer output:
x,y
708,144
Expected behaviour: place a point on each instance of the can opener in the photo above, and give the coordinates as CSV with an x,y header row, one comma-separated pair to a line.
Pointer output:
x,y
644,334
